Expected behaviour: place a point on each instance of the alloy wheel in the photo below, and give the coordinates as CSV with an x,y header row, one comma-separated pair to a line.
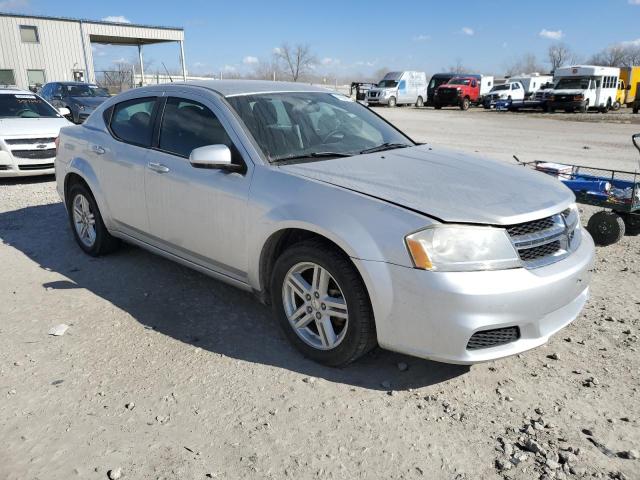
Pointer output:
x,y
84,220
315,306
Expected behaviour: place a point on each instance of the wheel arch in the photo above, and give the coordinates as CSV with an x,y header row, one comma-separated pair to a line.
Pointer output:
x,y
281,240
79,170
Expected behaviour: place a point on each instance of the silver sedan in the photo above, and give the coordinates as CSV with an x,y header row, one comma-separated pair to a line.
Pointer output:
x,y
355,234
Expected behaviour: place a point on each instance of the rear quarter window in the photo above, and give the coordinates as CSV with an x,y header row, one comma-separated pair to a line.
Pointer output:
x,y
132,121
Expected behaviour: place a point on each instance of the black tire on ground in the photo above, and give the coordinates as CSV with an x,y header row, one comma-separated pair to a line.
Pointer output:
x,y
419,102
438,107
361,332
606,228
569,110
550,109
631,223
465,103
606,108
585,108
635,109
104,243
392,102
616,106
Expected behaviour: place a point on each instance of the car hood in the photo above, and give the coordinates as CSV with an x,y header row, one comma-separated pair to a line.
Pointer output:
x,y
446,185
24,127
92,102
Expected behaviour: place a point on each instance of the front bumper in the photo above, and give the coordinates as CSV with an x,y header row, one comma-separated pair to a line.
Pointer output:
x,y
11,166
378,100
575,104
434,314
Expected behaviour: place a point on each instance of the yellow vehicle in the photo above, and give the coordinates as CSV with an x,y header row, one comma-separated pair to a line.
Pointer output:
x,y
628,85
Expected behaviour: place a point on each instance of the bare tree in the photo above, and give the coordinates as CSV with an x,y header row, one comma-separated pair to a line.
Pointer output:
x,y
268,70
632,55
528,63
458,68
613,56
297,60
559,54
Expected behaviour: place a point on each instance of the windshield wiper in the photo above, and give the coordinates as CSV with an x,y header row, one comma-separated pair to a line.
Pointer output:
x,y
384,146
313,155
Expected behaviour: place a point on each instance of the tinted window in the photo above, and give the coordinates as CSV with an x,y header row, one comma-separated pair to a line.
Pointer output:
x,y
187,125
131,121
7,78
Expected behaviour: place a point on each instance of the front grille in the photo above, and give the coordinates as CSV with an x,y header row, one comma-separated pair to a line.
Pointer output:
x,y
40,166
29,141
530,227
373,94
535,253
493,338
543,241
35,154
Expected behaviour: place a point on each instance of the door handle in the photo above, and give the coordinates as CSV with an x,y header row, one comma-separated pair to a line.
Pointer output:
x,y
98,149
158,167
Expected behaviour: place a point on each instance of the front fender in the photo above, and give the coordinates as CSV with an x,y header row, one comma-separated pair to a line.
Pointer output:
x,y
365,228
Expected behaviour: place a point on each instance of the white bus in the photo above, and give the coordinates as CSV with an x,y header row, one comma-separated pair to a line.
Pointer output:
x,y
583,87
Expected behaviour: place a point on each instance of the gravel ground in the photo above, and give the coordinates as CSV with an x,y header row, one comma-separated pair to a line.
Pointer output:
x,y
167,374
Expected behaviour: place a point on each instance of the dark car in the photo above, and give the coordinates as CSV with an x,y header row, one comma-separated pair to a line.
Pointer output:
x,y
79,97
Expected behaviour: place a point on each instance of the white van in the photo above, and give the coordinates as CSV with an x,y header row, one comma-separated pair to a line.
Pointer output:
x,y
400,88
531,82
582,87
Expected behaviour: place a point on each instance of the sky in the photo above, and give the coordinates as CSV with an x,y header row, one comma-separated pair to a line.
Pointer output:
x,y
358,38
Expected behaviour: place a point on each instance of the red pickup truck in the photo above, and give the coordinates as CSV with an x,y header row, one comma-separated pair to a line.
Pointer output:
x,y
459,91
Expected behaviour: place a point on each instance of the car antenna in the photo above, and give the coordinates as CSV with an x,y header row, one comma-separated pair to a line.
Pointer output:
x,y
167,70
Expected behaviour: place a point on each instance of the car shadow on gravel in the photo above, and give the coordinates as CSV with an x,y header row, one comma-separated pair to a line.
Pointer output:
x,y
191,307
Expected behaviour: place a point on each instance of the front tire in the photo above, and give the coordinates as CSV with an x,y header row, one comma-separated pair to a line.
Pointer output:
x,y
86,222
465,104
392,102
321,304
419,102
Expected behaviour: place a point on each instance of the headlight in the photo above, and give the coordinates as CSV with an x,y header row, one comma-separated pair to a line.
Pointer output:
x,y
457,248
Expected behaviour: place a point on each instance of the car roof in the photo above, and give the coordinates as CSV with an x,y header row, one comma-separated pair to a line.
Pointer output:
x,y
230,88
14,91
74,83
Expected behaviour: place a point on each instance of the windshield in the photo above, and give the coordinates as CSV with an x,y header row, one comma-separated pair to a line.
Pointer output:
x,y
25,106
84,91
436,82
459,81
575,83
500,87
388,84
287,125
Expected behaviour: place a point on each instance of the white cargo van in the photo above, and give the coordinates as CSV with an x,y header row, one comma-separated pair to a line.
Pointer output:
x,y
531,82
399,88
582,87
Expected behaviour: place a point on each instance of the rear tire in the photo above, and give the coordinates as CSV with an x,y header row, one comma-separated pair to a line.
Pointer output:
x,y
631,223
86,222
606,108
344,287
606,228
438,107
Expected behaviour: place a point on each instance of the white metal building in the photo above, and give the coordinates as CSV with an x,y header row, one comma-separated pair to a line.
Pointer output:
x,y
36,49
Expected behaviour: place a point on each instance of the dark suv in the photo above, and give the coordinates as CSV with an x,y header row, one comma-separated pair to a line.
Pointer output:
x,y
79,97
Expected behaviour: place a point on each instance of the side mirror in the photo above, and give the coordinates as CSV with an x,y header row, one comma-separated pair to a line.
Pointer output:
x,y
213,156
65,112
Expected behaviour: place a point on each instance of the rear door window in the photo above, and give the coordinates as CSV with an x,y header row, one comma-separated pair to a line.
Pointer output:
x,y
132,121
